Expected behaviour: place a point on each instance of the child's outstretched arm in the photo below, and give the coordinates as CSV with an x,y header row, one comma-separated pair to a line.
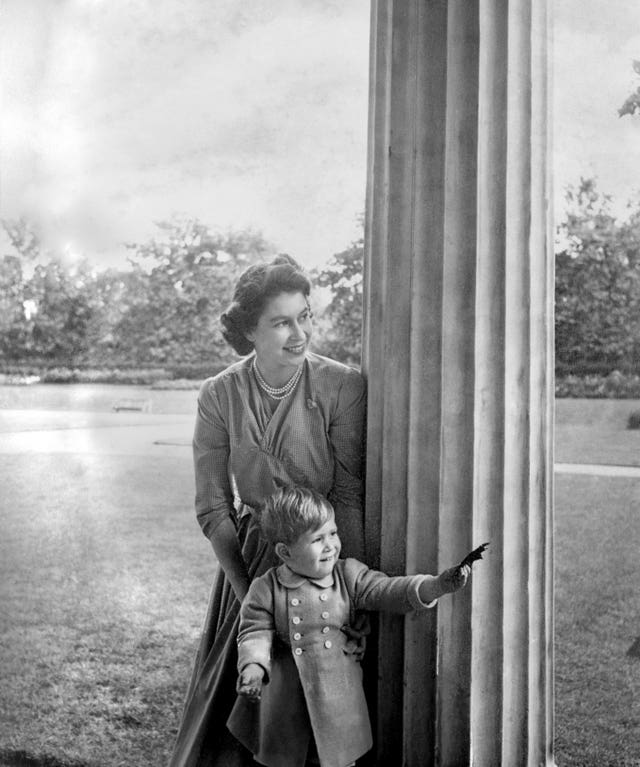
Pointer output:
x,y
373,590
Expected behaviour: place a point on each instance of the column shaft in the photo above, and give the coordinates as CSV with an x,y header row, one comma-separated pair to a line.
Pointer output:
x,y
457,350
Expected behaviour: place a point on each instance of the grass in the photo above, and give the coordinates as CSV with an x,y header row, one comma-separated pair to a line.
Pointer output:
x,y
104,578
104,583
595,431
596,621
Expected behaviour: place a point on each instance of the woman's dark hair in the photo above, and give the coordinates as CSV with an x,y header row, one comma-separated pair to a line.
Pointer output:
x,y
254,288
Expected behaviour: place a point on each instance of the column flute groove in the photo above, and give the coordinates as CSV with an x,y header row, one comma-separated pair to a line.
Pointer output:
x,y
517,382
423,481
488,598
457,371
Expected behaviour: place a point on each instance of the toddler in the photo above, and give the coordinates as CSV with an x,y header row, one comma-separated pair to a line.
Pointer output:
x,y
291,656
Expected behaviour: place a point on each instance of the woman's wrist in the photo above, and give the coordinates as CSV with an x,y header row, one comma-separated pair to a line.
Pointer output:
x,y
226,547
235,570
239,584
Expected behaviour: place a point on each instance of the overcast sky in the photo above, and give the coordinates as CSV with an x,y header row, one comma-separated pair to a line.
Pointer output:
x,y
118,113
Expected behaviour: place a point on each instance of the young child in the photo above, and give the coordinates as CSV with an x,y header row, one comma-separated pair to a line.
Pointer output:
x,y
291,655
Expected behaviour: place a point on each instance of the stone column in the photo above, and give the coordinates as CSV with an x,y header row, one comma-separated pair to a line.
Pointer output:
x,y
458,355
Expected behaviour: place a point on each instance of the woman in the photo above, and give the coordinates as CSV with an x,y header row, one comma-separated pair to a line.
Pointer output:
x,y
282,415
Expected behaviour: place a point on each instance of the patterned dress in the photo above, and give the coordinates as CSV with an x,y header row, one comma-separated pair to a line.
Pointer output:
x,y
243,450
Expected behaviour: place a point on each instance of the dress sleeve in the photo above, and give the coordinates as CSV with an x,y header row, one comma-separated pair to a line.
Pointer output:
x,y
214,495
346,435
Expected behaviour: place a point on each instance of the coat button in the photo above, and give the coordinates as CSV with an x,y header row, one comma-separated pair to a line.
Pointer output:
x,y
327,644
323,597
295,619
295,601
297,636
325,630
325,614
298,651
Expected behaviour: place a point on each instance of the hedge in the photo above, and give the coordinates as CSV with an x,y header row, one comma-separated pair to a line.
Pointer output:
x,y
124,374
616,385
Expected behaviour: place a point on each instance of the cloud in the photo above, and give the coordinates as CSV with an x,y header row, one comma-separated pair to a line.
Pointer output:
x,y
242,117
593,52
116,115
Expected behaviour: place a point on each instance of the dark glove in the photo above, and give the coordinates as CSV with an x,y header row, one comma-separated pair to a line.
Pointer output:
x,y
357,636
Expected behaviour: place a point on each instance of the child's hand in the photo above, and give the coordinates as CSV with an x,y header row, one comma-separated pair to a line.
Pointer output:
x,y
250,682
454,579
357,636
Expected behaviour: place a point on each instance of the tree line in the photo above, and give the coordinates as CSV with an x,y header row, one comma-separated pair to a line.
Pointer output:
x,y
164,310
597,288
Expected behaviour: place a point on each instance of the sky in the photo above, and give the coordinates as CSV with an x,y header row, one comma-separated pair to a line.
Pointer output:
x,y
246,113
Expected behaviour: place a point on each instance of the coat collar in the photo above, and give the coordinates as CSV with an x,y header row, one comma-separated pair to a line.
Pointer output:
x,y
290,580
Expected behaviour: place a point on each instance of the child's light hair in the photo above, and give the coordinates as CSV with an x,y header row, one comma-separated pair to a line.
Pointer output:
x,y
292,511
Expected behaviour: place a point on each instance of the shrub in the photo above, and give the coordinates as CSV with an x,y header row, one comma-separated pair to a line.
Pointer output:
x,y
634,420
118,374
141,376
183,384
195,370
60,375
18,379
616,385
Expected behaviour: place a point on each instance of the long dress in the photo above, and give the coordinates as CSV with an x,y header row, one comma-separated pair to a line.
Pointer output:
x,y
242,452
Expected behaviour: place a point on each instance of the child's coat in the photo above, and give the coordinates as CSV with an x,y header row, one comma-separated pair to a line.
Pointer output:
x,y
292,627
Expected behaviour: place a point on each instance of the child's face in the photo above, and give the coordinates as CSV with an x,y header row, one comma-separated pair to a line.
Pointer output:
x,y
316,552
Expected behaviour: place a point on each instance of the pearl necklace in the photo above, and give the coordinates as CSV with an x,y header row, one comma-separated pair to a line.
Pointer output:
x,y
272,391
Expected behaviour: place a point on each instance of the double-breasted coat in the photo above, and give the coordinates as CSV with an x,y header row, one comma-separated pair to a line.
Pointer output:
x,y
291,626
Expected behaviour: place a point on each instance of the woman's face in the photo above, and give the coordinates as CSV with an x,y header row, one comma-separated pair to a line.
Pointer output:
x,y
281,337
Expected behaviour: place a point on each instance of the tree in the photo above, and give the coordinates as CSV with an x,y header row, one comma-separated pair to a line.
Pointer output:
x,y
165,309
597,284
174,301
22,236
340,327
15,329
52,309
65,306
632,103
13,320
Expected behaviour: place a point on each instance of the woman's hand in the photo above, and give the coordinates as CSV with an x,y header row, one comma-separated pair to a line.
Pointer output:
x,y
357,636
250,682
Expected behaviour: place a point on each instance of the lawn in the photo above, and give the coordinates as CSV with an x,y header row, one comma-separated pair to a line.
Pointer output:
x,y
104,579
595,431
597,613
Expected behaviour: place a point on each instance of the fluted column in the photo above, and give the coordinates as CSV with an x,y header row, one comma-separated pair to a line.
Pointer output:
x,y
458,355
